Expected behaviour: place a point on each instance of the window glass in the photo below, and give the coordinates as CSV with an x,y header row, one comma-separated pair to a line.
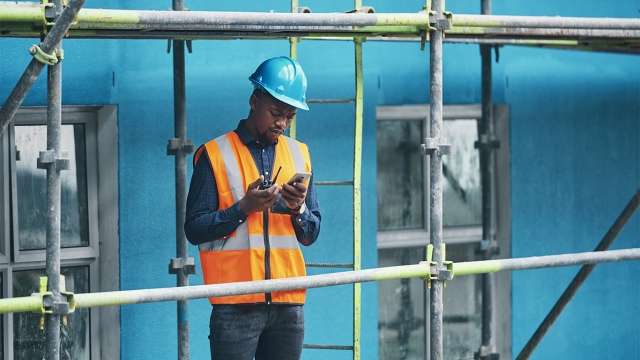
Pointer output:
x,y
462,319
29,340
400,175
399,183
401,308
402,303
462,190
4,198
32,190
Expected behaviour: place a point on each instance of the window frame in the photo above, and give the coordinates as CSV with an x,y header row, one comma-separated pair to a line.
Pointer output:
x,y
4,195
74,115
102,254
463,234
452,234
7,273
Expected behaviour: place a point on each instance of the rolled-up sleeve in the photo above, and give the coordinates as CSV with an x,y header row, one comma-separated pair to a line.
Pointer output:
x,y
203,221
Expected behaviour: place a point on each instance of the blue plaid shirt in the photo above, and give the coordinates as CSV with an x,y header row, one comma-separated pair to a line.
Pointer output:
x,y
205,222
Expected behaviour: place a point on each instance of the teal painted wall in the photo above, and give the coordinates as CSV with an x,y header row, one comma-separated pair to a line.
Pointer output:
x,y
575,161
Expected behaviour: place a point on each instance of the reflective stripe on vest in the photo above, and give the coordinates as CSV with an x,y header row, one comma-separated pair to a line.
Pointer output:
x,y
241,255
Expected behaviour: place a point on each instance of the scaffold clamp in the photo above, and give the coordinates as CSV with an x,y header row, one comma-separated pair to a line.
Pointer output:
x,y
50,305
176,145
362,10
487,142
48,59
433,145
438,272
440,22
187,265
51,13
48,157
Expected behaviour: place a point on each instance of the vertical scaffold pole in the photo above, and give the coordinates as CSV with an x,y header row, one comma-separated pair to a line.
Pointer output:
x,y
357,198
436,35
357,206
182,265
54,188
293,53
486,145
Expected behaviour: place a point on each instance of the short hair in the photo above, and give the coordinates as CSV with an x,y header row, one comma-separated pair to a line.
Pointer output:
x,y
259,91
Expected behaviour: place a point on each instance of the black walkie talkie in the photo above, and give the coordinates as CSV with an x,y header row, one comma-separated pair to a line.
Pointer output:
x,y
266,183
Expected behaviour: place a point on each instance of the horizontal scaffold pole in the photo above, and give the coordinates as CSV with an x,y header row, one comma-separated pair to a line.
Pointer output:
x,y
422,270
546,22
28,20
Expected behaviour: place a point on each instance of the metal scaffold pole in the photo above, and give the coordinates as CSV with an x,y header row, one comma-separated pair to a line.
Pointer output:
x,y
357,194
423,270
600,34
54,188
293,53
182,265
487,145
436,148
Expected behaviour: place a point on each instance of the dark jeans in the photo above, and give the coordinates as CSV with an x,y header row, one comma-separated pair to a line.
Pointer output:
x,y
242,332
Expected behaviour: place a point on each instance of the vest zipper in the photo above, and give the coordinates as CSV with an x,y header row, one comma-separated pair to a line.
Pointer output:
x,y
267,251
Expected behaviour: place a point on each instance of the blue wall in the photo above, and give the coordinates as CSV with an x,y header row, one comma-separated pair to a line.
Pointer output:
x,y
575,135
575,162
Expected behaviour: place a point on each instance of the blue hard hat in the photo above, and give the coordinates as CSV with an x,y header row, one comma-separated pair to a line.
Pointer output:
x,y
284,79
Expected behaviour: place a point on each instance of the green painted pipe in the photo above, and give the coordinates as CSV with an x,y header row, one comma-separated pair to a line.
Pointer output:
x,y
421,270
108,19
476,267
357,190
22,13
21,304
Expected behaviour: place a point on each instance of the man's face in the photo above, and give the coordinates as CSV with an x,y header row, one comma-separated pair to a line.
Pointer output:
x,y
271,117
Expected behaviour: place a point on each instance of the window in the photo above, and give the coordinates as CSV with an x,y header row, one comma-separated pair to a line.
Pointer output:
x,y
88,244
403,227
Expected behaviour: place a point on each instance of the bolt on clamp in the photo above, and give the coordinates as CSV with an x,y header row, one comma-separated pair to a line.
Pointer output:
x,y
438,272
440,22
51,13
48,158
186,264
63,306
433,145
485,142
55,57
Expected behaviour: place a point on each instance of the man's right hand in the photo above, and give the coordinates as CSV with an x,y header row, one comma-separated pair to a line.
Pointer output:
x,y
258,200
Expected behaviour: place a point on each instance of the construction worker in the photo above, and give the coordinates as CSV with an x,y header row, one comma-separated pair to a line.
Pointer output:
x,y
248,222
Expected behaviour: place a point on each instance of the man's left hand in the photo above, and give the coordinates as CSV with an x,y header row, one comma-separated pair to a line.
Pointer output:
x,y
294,195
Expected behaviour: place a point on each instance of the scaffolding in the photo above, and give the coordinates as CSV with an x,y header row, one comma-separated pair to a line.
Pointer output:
x,y
433,24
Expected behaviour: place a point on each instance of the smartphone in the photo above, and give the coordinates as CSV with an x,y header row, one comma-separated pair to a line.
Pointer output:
x,y
301,177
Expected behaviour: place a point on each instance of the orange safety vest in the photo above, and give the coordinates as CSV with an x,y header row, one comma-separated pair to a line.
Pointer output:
x,y
240,256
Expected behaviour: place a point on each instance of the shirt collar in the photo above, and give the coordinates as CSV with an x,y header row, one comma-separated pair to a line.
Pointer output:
x,y
245,135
